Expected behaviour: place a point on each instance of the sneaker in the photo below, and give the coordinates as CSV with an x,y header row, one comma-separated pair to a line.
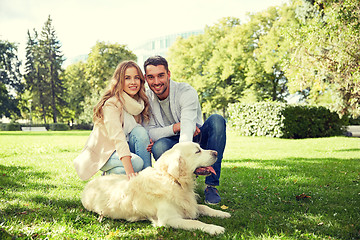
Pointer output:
x,y
212,196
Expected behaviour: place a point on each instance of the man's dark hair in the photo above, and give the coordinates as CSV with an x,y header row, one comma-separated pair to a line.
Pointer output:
x,y
156,61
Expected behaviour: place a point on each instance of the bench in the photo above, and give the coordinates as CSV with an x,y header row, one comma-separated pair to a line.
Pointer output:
x,y
33,129
353,131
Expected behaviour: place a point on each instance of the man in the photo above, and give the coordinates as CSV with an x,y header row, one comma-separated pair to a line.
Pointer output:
x,y
176,117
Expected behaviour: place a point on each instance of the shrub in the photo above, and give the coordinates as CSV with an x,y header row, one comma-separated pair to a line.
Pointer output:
x,y
258,119
82,126
59,127
284,120
354,121
13,126
3,126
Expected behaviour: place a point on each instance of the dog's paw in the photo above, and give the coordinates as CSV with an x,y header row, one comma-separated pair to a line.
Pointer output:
x,y
224,215
214,229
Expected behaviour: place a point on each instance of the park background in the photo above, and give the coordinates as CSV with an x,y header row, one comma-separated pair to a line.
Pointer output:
x,y
303,52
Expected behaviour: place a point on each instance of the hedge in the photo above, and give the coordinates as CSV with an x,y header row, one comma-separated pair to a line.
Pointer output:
x,y
284,120
13,126
59,127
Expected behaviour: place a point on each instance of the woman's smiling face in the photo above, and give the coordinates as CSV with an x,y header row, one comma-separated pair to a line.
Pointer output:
x,y
132,81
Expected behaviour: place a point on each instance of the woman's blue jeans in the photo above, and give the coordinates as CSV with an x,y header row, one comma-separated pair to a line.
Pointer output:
x,y
140,157
212,137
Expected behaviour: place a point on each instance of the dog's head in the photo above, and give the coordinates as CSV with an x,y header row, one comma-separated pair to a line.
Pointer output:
x,y
184,158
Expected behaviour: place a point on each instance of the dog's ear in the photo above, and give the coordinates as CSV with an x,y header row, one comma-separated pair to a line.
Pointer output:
x,y
171,162
174,165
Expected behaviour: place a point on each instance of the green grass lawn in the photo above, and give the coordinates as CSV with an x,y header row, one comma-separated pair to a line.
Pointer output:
x,y
274,189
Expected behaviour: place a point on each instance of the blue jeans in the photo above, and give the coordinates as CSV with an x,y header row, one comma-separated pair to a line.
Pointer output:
x,y
140,157
212,137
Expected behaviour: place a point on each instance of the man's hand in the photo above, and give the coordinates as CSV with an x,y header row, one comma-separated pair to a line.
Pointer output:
x,y
149,147
176,128
197,131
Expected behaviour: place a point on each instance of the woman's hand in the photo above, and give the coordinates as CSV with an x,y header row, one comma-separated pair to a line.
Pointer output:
x,y
126,160
131,175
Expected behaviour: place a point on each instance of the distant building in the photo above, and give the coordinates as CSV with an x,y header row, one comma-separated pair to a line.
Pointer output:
x,y
160,46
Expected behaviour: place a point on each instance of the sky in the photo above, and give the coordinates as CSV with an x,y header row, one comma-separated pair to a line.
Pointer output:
x,y
79,24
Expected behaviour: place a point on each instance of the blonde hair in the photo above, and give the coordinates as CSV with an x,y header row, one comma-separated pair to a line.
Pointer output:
x,y
116,87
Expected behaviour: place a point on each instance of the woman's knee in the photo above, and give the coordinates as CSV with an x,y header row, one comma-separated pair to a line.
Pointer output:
x,y
116,170
137,163
140,134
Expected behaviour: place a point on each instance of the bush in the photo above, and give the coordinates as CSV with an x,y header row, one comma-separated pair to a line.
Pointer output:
x,y
354,121
3,126
284,120
13,126
82,126
59,127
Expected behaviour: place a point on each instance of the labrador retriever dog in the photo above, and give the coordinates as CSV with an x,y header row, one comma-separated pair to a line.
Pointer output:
x,y
163,194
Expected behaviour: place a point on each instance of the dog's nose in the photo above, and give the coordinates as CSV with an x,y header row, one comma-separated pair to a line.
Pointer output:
x,y
214,153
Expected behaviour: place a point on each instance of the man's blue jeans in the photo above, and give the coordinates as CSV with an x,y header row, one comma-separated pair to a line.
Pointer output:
x,y
140,157
212,137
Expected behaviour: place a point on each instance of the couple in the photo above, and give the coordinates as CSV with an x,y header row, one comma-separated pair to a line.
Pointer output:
x,y
119,142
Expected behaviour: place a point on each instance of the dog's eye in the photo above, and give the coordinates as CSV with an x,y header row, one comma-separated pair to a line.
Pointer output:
x,y
198,151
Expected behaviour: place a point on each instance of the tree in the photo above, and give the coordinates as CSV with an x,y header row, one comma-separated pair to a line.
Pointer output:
x,y
43,71
189,60
10,79
86,81
267,70
230,62
35,76
326,52
102,61
77,89
53,59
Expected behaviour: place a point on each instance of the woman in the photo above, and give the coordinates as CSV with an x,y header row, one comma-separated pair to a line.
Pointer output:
x,y
118,142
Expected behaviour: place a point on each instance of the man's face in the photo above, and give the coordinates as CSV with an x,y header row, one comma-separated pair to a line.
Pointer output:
x,y
158,80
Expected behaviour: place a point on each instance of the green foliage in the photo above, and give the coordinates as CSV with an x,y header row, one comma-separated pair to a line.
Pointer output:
x,y
102,61
82,126
195,61
233,61
43,70
258,119
78,88
86,81
10,80
325,53
305,47
284,120
13,126
59,127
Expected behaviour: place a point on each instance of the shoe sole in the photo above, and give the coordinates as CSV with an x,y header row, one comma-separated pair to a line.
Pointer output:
x,y
210,203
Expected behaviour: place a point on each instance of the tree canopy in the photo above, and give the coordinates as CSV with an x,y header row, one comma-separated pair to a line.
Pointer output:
x,y
309,48
10,80
43,69
305,48
86,81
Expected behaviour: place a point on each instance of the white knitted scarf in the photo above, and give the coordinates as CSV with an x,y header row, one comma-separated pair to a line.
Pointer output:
x,y
132,107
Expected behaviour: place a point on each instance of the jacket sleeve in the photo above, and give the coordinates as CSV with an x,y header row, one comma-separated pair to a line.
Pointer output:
x,y
189,104
156,131
113,125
